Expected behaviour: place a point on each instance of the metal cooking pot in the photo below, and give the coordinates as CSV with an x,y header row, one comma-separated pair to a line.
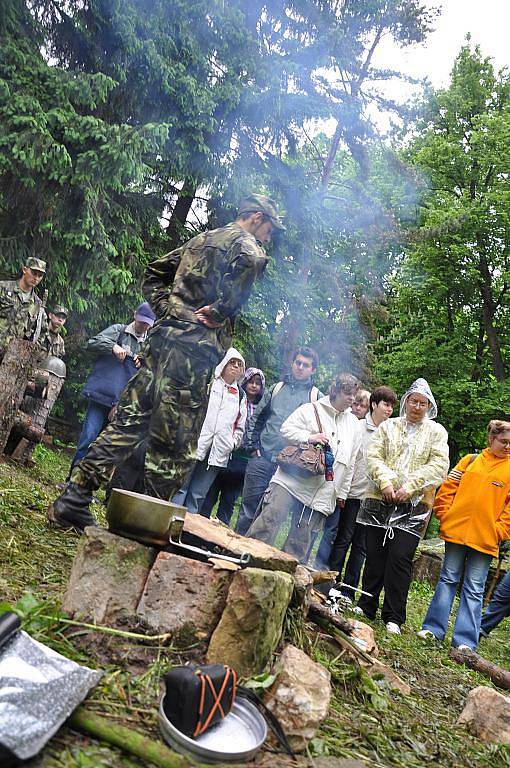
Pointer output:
x,y
144,518
154,521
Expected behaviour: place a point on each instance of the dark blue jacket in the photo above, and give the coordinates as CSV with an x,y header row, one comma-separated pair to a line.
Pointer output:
x,y
109,375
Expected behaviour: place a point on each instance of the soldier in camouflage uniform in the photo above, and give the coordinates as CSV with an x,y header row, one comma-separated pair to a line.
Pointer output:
x,y
21,309
196,292
54,344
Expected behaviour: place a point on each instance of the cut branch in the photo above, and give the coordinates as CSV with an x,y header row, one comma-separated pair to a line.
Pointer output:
x,y
498,675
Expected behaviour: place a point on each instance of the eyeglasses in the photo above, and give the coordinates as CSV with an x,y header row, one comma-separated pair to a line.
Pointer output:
x,y
417,404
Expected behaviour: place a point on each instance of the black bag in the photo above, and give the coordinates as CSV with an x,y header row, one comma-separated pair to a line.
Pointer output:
x,y
199,697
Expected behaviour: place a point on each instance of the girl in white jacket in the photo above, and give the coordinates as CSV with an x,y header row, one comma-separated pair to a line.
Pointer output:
x,y
222,430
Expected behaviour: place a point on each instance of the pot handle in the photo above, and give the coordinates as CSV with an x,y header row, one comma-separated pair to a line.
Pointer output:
x,y
243,559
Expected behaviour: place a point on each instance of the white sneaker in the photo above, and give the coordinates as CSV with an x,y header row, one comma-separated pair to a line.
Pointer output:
x,y
392,628
463,648
358,610
426,634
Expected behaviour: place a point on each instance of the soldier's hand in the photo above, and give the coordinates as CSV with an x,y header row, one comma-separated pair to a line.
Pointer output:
x,y
203,316
119,352
137,361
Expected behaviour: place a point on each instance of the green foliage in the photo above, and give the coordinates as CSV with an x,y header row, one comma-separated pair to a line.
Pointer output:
x,y
260,683
448,306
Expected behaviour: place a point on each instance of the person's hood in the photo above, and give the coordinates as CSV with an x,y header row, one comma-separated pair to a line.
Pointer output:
x,y
420,387
370,422
229,355
249,374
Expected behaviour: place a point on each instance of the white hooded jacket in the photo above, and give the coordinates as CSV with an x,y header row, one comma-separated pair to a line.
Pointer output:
x,y
224,422
344,435
359,485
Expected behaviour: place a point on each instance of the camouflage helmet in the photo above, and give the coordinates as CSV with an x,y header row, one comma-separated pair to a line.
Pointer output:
x,y
33,263
59,309
255,203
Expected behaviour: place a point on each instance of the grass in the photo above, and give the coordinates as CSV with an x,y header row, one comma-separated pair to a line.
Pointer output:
x,y
366,722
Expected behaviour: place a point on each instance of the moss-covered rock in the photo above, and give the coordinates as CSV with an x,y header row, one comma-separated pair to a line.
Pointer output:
x,y
251,625
108,576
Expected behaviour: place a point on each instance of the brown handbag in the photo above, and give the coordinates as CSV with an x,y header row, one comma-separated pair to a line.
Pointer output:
x,y
304,460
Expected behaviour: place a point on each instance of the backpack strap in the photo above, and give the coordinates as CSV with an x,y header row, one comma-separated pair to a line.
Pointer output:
x,y
472,458
121,336
314,392
277,388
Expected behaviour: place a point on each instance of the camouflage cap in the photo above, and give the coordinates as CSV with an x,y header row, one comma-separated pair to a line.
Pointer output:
x,y
33,263
255,203
58,309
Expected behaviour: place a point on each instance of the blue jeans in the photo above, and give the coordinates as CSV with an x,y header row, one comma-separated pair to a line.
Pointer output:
x,y
96,420
327,541
459,558
259,472
498,608
196,487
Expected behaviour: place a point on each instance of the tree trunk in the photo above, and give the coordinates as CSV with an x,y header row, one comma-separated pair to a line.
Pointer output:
x,y
178,218
488,312
480,345
14,373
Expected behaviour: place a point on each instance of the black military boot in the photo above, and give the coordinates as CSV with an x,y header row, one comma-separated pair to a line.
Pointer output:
x,y
71,509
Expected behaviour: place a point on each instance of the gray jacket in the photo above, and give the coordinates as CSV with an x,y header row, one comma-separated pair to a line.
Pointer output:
x,y
263,431
103,342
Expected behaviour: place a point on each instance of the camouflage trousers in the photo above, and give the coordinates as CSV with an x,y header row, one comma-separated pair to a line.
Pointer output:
x,y
164,405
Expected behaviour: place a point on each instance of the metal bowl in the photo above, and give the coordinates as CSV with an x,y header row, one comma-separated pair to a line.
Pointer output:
x,y
144,518
236,738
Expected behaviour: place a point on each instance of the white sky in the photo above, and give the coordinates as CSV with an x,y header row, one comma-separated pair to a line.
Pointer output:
x,y
486,20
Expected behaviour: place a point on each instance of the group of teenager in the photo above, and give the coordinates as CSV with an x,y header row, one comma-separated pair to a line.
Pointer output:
x,y
382,472
378,500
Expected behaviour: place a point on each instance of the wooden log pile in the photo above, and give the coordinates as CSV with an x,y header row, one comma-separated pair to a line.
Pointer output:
x,y
27,396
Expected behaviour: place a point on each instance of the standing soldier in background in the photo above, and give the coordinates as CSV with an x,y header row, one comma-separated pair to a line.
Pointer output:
x,y
22,314
55,343
196,291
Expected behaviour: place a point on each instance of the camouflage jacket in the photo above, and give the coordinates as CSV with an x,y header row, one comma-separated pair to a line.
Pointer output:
x,y
216,268
19,313
54,344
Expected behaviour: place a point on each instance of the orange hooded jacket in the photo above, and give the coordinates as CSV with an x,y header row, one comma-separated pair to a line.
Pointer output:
x,y
473,503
